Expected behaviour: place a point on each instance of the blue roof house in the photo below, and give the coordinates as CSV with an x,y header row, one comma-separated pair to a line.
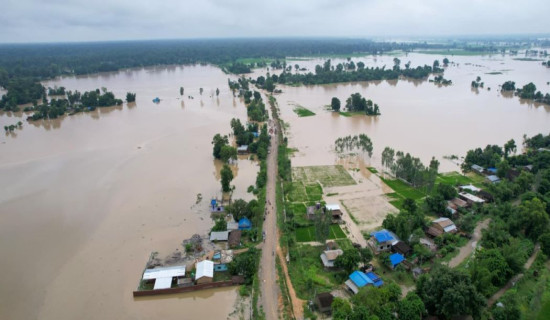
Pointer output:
x,y
382,240
245,224
358,280
396,259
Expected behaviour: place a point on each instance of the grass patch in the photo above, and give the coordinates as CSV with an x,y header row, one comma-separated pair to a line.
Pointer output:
x,y
493,73
332,194
373,170
303,112
328,176
314,192
307,234
308,275
297,192
455,178
404,190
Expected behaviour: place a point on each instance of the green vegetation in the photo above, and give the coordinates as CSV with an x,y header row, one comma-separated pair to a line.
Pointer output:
x,y
307,234
328,176
356,103
303,112
130,97
494,73
361,143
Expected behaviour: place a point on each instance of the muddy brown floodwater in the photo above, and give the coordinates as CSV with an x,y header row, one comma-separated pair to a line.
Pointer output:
x,y
420,117
85,199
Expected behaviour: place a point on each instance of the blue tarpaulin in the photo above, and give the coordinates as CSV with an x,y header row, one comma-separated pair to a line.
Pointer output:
x,y
396,259
382,236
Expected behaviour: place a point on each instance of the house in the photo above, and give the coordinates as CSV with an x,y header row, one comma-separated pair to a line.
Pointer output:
x,y
359,279
242,149
528,167
470,198
329,256
312,211
469,187
493,179
451,207
445,225
396,259
204,272
163,276
478,169
219,235
402,248
245,224
234,239
323,301
382,240
459,203
486,196
335,210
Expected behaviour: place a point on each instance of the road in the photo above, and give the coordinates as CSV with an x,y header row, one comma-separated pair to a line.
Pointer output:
x,y
270,291
514,279
467,250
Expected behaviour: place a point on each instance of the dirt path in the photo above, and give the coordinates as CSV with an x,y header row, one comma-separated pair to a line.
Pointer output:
x,y
514,279
467,250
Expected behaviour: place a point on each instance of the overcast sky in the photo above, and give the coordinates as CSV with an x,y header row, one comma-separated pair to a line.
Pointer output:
x,y
86,20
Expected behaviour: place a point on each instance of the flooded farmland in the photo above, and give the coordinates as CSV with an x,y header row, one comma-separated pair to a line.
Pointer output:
x,y
85,199
420,117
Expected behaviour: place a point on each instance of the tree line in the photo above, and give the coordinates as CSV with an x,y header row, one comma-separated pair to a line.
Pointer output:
x,y
528,91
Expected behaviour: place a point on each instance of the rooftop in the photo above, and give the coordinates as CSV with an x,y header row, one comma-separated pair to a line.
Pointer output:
x,y
219,235
396,259
382,236
205,268
471,197
332,207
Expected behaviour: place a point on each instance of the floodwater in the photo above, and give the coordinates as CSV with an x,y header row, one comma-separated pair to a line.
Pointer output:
x,y
85,199
420,117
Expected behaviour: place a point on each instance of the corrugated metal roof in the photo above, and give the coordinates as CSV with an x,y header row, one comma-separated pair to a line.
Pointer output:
x,y
205,268
164,272
471,197
470,187
360,279
163,283
219,235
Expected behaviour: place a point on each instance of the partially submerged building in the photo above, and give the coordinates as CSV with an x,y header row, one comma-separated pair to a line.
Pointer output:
x,y
204,272
163,276
242,149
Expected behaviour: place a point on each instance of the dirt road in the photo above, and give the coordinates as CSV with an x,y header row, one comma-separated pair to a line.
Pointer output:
x,y
514,279
467,250
268,276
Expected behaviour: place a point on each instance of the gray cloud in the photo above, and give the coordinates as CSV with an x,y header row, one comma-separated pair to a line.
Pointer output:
x,y
85,20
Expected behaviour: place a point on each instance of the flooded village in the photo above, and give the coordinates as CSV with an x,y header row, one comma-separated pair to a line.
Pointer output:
x,y
104,212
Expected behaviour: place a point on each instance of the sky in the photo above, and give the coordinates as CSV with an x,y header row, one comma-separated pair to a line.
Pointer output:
x,y
105,20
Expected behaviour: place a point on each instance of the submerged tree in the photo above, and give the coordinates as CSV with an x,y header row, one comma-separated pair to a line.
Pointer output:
x,y
181,91
227,177
350,143
335,104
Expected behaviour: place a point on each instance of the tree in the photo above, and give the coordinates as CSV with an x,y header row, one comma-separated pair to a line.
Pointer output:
x,y
446,191
510,146
269,85
502,168
228,153
245,264
341,309
238,209
322,225
181,91
489,270
348,260
130,97
448,292
445,61
200,91
411,307
335,104
219,141
220,225
423,252
533,218
227,176
388,157
217,92
544,240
